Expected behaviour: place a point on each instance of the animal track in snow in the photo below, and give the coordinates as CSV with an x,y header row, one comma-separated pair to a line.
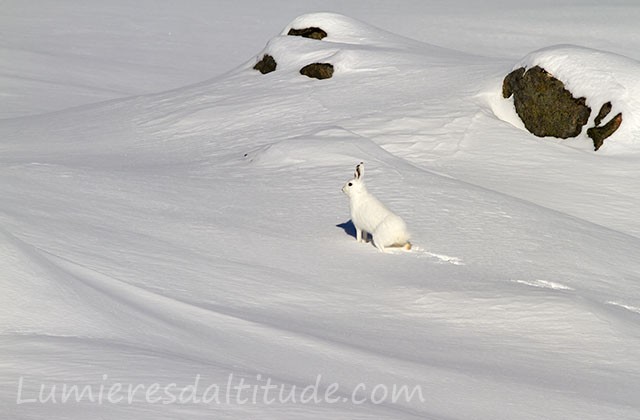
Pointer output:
x,y
545,284
634,309
440,257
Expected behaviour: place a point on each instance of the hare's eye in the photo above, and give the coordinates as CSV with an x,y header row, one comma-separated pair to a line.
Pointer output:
x,y
351,183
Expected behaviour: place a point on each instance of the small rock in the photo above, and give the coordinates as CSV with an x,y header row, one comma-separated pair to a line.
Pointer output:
x,y
318,70
312,32
266,65
599,134
605,109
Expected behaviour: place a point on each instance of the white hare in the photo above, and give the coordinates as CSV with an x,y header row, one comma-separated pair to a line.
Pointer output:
x,y
370,216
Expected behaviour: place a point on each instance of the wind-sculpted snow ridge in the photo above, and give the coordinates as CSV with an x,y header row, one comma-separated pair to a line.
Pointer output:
x,y
352,47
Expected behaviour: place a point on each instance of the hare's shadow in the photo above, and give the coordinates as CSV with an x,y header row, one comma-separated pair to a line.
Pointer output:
x,y
348,228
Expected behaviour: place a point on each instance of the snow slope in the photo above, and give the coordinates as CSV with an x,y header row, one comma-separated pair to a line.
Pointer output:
x,y
202,231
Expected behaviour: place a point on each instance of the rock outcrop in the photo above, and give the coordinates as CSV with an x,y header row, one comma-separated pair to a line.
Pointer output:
x,y
311,32
266,65
318,70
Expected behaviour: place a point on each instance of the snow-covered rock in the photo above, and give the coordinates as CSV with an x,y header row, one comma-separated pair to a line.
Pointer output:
x,y
601,80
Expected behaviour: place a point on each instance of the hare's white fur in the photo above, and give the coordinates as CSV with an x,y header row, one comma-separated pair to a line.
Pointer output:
x,y
369,215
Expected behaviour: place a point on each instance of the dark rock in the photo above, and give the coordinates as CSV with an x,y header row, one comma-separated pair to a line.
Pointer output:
x,y
604,111
318,70
511,81
266,65
312,32
599,134
544,105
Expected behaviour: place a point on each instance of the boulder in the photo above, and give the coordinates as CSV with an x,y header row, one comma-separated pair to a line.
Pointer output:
x,y
544,105
547,108
311,32
318,70
266,65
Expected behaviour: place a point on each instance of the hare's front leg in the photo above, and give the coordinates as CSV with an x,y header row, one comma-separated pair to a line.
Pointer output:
x,y
365,236
358,234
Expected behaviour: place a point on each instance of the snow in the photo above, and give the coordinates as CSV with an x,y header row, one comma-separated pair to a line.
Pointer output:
x,y
182,223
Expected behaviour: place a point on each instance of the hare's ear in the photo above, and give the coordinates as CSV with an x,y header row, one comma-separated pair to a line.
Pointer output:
x,y
359,170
